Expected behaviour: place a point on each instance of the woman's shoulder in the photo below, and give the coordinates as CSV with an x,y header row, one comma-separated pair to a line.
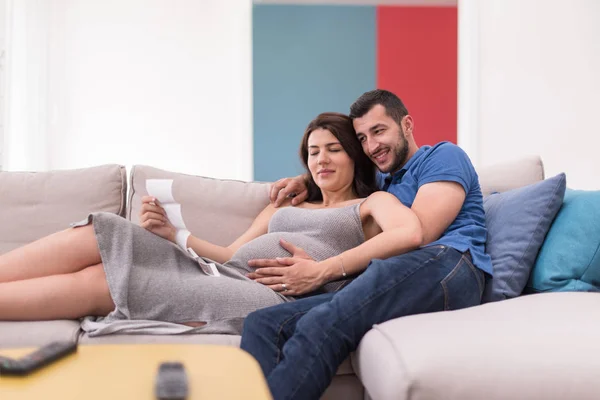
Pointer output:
x,y
270,209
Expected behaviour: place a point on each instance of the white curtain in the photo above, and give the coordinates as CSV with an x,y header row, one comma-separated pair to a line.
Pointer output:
x,y
25,85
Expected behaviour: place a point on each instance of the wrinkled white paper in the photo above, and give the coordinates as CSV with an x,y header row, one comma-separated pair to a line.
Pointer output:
x,y
162,190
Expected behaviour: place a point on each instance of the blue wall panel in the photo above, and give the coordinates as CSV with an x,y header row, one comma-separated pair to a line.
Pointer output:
x,y
306,60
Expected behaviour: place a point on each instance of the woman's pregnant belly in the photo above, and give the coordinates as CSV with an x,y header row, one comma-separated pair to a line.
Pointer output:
x,y
268,246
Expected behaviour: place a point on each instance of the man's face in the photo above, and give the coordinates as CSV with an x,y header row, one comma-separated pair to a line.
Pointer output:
x,y
382,139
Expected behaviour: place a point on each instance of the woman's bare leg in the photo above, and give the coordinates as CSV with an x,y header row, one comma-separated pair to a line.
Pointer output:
x,y
63,252
66,296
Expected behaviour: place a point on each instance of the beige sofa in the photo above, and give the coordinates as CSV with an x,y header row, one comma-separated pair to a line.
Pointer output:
x,y
534,347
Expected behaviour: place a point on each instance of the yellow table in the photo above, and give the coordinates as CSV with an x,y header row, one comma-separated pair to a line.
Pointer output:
x,y
129,371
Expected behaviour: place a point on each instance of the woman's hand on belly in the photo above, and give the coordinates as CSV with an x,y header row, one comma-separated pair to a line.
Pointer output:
x,y
292,276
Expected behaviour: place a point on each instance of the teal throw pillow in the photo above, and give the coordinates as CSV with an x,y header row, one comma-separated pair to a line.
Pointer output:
x,y
517,222
570,257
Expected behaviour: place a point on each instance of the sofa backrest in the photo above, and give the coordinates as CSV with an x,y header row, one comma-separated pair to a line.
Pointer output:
x,y
36,204
218,210
33,205
221,210
510,175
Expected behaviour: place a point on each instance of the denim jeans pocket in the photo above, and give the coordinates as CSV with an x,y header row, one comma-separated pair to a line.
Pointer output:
x,y
436,251
463,286
479,274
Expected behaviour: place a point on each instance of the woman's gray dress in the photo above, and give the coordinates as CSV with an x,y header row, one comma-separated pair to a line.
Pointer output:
x,y
157,287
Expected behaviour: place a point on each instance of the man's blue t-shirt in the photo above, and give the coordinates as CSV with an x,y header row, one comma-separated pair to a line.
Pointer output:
x,y
446,162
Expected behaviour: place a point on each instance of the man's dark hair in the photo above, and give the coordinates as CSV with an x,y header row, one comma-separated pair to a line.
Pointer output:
x,y
340,126
392,103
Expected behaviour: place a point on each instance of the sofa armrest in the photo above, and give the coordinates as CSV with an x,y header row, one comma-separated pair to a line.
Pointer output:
x,y
542,346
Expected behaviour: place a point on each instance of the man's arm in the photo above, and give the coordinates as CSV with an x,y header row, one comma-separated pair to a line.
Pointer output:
x,y
437,205
400,231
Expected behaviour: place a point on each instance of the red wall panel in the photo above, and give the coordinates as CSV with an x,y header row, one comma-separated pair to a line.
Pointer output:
x,y
417,60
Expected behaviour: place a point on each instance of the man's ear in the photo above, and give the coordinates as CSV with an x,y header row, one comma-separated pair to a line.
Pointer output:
x,y
408,125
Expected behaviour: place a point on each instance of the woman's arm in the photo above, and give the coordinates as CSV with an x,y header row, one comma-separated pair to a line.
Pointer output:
x,y
223,254
154,218
400,232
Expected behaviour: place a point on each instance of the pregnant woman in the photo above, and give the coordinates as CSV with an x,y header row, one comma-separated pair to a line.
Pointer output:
x,y
134,279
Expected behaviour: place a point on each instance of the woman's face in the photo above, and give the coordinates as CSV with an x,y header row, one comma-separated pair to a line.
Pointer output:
x,y
329,164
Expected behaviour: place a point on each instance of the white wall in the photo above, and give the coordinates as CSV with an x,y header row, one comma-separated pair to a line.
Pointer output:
x,y
25,122
418,3
2,72
158,82
539,84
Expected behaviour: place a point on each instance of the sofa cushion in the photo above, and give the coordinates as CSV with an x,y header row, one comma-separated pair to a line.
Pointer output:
x,y
540,346
36,333
510,175
218,210
225,340
517,222
570,256
36,204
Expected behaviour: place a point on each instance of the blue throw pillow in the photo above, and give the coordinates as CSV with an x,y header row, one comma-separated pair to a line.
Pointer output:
x,y
517,222
570,257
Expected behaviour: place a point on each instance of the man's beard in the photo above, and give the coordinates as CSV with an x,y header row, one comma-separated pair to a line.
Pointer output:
x,y
401,155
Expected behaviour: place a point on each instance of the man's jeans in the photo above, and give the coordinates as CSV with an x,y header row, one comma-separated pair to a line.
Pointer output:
x,y
299,345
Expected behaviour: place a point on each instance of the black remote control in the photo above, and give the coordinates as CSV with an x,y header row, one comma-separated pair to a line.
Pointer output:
x,y
39,358
171,381
2,359
6,362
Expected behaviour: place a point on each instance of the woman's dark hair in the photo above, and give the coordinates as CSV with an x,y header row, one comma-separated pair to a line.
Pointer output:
x,y
340,126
